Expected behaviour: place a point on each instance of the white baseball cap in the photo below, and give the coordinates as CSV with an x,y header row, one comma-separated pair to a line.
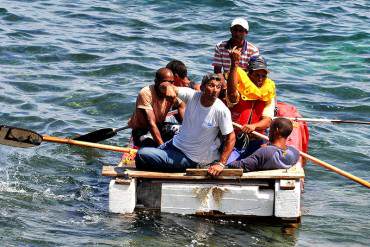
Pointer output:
x,y
241,22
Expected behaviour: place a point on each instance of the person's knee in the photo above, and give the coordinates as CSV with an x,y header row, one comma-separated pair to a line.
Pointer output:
x,y
142,156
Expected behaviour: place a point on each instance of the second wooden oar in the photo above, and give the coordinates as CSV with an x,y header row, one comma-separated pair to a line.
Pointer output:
x,y
320,162
106,133
99,135
323,120
86,144
18,137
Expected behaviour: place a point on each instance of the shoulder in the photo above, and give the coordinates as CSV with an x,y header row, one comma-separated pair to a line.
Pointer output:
x,y
187,91
270,81
293,150
265,152
221,108
252,47
147,90
221,44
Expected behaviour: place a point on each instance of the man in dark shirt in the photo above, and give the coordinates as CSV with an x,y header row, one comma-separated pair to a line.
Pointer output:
x,y
275,156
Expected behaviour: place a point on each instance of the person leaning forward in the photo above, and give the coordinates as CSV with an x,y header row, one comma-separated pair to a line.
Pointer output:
x,y
251,99
277,155
152,107
197,143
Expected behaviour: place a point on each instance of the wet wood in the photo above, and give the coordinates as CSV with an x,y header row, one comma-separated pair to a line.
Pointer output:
x,y
225,172
114,171
287,184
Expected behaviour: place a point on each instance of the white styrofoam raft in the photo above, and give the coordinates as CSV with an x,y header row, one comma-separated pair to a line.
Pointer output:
x,y
228,199
122,197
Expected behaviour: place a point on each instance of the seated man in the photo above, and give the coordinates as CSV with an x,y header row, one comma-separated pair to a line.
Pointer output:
x,y
152,107
197,142
251,99
275,156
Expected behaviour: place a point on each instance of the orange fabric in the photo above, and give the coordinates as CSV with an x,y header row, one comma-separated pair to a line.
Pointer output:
x,y
240,112
300,134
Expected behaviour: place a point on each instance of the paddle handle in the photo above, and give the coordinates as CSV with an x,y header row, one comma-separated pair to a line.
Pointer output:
x,y
87,144
322,120
320,162
122,128
336,170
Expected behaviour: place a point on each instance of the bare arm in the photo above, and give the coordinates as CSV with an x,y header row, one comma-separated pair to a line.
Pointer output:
x,y
153,128
217,69
197,87
169,90
228,147
232,92
263,124
181,112
217,168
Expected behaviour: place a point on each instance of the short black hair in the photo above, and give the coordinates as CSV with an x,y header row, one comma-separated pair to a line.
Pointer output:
x,y
177,67
282,126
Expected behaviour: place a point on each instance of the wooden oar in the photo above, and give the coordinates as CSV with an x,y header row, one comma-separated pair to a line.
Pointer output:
x,y
18,137
322,120
106,133
319,162
100,135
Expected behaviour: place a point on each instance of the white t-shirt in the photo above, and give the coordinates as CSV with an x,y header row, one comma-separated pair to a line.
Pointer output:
x,y
197,138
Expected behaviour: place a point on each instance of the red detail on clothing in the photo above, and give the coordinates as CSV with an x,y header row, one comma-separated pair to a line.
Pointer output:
x,y
241,112
299,137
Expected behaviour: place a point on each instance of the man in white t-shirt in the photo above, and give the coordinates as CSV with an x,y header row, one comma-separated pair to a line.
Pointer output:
x,y
197,141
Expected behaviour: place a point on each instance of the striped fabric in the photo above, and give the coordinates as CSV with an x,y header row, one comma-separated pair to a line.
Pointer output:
x,y
222,59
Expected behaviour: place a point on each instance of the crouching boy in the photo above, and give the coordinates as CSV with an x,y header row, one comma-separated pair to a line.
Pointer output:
x,y
277,155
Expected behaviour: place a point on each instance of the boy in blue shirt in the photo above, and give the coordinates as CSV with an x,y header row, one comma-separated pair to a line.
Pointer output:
x,y
277,155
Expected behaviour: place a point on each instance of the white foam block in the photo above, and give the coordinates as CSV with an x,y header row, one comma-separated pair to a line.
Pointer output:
x,y
228,199
122,197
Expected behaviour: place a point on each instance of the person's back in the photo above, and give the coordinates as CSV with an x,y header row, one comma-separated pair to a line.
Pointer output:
x,y
275,156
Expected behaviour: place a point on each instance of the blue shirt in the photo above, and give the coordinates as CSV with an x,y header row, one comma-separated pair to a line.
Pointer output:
x,y
268,158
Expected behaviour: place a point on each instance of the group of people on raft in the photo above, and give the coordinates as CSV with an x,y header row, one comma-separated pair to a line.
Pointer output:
x,y
239,91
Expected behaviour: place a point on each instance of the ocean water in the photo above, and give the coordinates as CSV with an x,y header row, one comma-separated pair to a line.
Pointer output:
x,y
69,67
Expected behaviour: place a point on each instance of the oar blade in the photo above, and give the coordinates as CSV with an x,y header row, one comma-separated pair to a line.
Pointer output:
x,y
18,137
97,136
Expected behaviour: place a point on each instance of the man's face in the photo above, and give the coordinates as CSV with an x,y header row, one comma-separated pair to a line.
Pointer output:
x,y
181,82
238,32
212,89
160,85
258,77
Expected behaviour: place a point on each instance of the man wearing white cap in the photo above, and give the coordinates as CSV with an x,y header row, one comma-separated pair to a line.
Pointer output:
x,y
239,29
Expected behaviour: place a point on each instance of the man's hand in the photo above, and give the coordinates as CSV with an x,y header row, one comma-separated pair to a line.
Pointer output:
x,y
215,169
168,90
248,128
235,55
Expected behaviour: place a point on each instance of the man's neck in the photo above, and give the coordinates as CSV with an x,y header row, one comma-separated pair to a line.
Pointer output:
x,y
237,43
205,101
280,143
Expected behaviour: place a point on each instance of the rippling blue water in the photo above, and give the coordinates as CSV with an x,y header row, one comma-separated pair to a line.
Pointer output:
x,y
70,67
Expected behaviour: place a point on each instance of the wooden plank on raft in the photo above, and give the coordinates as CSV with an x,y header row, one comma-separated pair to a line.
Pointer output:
x,y
204,172
114,171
